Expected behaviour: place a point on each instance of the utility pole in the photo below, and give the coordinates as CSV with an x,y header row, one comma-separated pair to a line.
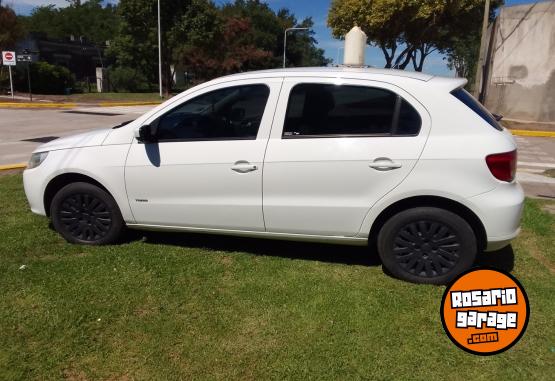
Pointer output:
x,y
479,81
11,81
159,52
285,41
28,59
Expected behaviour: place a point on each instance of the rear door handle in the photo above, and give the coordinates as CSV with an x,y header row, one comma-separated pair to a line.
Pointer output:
x,y
384,164
243,166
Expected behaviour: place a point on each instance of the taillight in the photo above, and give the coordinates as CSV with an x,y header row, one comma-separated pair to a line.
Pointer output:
x,y
502,165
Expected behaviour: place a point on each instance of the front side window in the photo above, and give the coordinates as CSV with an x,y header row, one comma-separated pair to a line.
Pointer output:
x,y
226,114
322,110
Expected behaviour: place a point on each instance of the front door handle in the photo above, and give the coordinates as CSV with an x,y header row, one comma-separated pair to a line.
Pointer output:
x,y
384,164
243,166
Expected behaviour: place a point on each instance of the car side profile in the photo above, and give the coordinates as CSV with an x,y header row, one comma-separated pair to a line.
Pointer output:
x,y
405,162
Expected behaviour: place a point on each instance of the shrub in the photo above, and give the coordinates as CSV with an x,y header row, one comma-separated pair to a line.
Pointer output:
x,y
45,78
126,79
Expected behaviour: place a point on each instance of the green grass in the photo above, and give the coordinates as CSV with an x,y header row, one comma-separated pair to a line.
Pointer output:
x,y
171,306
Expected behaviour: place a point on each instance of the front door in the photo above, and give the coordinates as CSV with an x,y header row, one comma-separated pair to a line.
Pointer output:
x,y
337,146
205,171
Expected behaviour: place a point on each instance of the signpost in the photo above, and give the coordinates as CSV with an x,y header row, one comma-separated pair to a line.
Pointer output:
x,y
8,59
27,58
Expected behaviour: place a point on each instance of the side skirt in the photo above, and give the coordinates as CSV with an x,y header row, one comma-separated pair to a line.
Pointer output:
x,y
339,240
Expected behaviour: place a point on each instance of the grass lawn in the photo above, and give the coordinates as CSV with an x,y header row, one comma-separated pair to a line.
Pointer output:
x,y
172,306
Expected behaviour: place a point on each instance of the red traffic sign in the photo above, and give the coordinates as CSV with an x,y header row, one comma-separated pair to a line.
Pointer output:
x,y
8,58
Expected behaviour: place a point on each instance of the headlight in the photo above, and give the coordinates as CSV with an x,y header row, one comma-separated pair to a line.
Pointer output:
x,y
36,159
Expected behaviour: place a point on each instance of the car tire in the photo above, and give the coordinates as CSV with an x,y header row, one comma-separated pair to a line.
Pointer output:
x,y
86,214
427,245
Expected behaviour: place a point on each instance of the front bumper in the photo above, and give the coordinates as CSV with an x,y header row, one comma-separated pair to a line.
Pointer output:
x,y
33,183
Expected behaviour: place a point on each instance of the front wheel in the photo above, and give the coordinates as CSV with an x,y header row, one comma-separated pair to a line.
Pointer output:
x,y
427,245
86,214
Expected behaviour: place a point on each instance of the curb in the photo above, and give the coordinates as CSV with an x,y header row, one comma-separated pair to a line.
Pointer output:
x,y
548,134
115,104
36,105
13,166
23,105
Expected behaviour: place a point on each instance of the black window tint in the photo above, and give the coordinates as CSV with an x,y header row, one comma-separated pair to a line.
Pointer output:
x,y
330,110
225,114
409,120
465,97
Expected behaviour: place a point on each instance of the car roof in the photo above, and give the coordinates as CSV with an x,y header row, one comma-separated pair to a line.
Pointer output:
x,y
331,71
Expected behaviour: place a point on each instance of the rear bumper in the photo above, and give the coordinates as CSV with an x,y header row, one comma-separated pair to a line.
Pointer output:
x,y
497,243
500,211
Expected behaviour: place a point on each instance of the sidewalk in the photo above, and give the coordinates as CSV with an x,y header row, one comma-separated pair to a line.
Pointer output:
x,y
535,156
528,128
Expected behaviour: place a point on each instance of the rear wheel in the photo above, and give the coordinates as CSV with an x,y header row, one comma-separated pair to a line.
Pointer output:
x,y
427,245
86,214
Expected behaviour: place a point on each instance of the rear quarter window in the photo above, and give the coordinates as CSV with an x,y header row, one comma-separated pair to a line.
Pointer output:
x,y
471,102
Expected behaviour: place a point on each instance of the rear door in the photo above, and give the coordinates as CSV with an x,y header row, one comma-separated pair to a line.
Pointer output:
x,y
334,150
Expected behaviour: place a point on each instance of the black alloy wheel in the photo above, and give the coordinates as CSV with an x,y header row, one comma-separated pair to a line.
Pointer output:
x,y
427,245
86,214
427,248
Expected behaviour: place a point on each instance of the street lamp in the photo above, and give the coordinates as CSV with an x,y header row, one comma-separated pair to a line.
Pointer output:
x,y
285,40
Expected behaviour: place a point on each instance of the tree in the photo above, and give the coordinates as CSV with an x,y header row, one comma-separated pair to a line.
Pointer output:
x,y
232,50
462,53
136,44
90,20
10,28
407,31
207,40
267,28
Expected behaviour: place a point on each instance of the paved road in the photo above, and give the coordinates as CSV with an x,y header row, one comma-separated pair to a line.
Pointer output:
x,y
17,127
535,155
22,130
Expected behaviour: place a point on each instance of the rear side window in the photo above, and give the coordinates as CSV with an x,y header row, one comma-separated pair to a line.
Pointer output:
x,y
322,110
465,97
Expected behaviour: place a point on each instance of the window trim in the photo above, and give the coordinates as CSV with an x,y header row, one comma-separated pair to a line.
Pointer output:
x,y
397,109
180,140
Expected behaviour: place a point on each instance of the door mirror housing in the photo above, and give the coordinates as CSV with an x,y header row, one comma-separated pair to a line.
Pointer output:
x,y
147,133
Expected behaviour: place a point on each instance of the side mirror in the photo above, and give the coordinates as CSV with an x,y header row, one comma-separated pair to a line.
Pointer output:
x,y
497,117
148,132
145,134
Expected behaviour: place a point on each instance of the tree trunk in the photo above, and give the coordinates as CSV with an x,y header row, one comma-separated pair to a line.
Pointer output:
x,y
404,58
387,56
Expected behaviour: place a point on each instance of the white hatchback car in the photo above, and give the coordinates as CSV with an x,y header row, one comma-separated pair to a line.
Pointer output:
x,y
406,162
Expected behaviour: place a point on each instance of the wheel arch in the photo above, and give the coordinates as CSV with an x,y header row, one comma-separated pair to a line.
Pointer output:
x,y
431,201
60,181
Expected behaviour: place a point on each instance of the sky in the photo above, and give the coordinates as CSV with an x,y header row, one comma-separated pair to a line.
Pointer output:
x,y
317,9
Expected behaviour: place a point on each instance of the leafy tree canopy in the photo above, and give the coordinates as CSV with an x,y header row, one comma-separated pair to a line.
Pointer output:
x,y
10,28
407,31
89,20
